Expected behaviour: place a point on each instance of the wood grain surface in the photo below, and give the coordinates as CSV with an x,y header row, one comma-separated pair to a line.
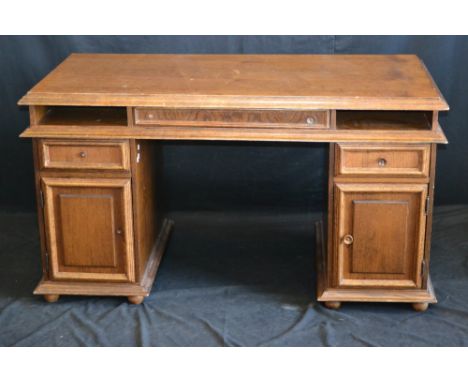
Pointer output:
x,y
379,82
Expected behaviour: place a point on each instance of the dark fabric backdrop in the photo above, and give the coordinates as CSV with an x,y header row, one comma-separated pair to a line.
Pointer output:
x,y
231,176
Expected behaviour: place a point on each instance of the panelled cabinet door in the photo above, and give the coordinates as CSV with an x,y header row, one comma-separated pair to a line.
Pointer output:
x,y
89,229
380,237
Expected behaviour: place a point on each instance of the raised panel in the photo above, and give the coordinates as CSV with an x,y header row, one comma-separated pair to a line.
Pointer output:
x,y
89,229
380,237
382,247
78,230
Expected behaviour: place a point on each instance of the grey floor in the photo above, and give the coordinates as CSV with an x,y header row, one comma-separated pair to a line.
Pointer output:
x,y
230,280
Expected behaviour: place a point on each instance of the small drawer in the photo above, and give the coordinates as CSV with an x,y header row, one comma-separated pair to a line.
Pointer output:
x,y
86,155
403,160
296,119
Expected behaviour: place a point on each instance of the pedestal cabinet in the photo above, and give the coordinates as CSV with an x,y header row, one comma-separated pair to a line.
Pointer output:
x,y
98,122
102,228
379,224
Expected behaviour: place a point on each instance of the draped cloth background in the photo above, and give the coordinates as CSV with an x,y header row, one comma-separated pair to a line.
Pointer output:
x,y
232,176
239,269
232,280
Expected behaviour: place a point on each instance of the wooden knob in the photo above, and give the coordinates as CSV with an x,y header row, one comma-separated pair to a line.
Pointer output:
x,y
348,239
310,121
150,116
119,231
382,162
82,154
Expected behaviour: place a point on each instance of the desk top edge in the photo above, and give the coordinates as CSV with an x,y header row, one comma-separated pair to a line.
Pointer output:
x,y
347,82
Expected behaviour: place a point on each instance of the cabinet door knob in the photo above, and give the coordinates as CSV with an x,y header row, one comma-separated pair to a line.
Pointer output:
x,y
348,239
310,121
82,154
382,162
118,231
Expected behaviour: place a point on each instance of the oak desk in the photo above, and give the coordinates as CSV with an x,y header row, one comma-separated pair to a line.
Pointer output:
x,y
97,122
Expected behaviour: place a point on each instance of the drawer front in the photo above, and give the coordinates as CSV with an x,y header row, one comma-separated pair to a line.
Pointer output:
x,y
88,155
302,119
404,160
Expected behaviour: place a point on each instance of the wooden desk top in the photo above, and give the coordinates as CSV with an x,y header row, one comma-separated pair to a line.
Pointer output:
x,y
380,82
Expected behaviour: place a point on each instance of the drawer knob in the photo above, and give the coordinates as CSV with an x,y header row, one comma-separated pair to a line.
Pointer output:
x,y
382,162
149,116
82,154
310,121
348,239
118,231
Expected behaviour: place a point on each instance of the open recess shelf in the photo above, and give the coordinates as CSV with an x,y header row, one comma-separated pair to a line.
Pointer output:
x,y
383,120
84,116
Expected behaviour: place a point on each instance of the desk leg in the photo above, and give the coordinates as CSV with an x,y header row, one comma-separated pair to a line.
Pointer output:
x,y
135,299
332,304
420,306
51,297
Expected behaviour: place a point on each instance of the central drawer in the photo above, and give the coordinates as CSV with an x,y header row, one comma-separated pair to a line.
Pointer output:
x,y
363,159
298,119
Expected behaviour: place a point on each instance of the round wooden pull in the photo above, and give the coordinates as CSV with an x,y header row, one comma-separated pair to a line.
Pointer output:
x,y
348,240
119,231
82,154
382,162
310,121
150,116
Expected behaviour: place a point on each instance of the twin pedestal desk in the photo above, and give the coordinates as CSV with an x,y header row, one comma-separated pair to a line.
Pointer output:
x,y
98,121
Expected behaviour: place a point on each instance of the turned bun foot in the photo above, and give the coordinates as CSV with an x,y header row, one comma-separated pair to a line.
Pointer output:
x,y
135,299
420,306
332,304
51,297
